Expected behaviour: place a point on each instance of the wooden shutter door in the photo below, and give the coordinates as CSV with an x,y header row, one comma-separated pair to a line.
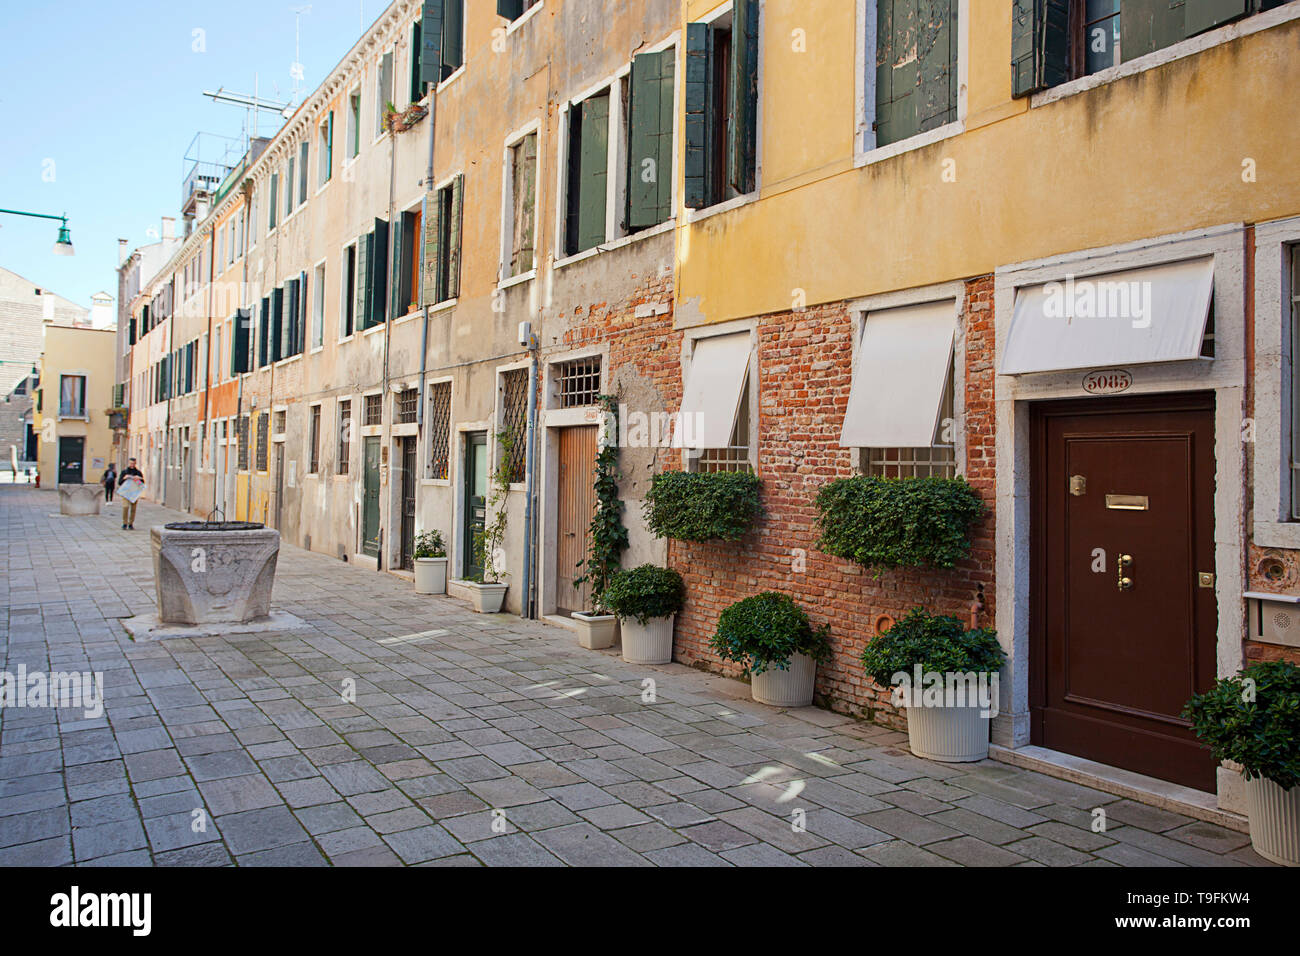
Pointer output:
x,y
379,274
431,17
454,218
593,164
697,125
742,135
432,247
453,28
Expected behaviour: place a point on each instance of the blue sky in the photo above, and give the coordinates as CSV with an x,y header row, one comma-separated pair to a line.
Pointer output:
x,y
100,101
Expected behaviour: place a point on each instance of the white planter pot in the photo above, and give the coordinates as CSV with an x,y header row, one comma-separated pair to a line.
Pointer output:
x,y
950,734
430,575
792,687
1274,821
649,643
486,598
595,631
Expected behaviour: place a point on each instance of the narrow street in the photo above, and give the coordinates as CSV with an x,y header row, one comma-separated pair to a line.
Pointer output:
x,y
473,739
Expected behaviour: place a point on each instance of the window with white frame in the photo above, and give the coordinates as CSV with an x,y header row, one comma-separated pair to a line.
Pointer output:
x,y
519,229
721,106
586,173
347,308
715,424
325,150
911,68
353,131
318,308
303,150
72,396
313,441
383,92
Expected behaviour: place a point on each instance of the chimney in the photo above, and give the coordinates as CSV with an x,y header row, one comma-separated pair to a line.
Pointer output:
x,y
168,227
121,252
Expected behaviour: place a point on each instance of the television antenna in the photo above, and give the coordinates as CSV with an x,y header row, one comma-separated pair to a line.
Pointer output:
x,y
253,105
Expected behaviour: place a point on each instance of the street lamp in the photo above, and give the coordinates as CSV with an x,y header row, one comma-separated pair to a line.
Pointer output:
x,y
63,244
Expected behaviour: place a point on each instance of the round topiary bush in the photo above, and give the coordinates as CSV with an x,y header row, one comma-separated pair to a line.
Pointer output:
x,y
702,506
898,522
645,592
763,631
1253,719
938,644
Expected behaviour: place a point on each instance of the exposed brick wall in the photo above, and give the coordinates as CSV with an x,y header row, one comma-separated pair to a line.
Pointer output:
x,y
805,369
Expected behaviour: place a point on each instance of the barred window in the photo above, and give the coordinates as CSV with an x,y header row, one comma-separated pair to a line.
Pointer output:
x,y
735,457
374,410
440,430
937,461
514,412
579,382
345,436
263,439
313,460
280,417
408,406
243,443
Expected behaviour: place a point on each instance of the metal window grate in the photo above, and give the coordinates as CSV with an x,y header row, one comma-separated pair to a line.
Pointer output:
x,y
579,382
243,443
313,464
280,418
440,430
938,461
345,436
263,440
735,457
514,412
374,414
408,406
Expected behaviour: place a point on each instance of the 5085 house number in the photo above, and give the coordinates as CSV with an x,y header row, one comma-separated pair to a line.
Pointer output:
x,y
1107,381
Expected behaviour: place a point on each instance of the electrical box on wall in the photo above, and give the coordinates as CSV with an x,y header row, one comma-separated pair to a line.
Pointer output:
x,y
1274,618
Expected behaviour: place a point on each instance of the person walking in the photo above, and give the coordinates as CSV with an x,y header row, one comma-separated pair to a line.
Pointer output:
x,y
110,482
128,507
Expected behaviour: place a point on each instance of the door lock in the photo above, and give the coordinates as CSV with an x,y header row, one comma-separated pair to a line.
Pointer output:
x,y
1125,563
1078,485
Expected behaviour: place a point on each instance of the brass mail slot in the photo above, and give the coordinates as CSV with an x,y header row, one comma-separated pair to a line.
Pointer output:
x,y
1126,502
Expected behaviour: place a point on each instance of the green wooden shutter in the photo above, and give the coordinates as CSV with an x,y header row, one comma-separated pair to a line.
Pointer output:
x,y
432,248
239,347
1204,15
510,9
592,163
937,53
1040,45
650,140
396,307
431,19
379,274
329,146
277,324
742,134
364,245
130,331
453,30
1149,25
263,332
697,125
454,235
302,311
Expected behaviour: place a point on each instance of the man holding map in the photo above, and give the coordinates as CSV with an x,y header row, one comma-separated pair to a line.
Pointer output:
x,y
130,483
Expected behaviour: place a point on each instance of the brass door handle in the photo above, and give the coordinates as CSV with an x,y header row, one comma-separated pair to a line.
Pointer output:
x,y
1125,562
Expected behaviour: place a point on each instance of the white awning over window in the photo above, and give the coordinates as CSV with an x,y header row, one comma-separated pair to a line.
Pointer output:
x,y
900,376
713,390
1156,314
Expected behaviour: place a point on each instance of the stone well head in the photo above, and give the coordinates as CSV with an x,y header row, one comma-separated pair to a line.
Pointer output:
x,y
218,572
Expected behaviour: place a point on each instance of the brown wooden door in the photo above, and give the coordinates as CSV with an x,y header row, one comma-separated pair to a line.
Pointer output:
x,y
577,506
1122,630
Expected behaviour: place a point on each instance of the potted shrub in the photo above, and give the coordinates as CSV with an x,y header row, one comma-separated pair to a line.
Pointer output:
x,y
430,563
487,590
646,600
607,539
702,506
1253,720
772,637
945,677
898,522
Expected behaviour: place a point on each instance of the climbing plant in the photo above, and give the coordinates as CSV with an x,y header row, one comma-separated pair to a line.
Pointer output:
x,y
607,535
488,545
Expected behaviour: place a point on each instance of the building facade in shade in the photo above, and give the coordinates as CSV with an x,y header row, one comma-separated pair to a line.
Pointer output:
x,y
1069,280
1044,250
25,308
73,415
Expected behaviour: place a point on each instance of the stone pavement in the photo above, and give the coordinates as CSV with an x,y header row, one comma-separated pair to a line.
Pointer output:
x,y
472,740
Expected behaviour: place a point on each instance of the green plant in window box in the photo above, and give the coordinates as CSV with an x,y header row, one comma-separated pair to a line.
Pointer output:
x,y
764,631
898,522
703,506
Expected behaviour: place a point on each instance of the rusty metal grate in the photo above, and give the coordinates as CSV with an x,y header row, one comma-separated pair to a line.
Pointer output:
x,y
735,457
374,412
313,463
579,382
280,421
408,406
440,430
514,415
345,436
263,440
243,442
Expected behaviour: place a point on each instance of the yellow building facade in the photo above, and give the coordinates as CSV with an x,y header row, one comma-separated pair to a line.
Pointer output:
x,y
72,409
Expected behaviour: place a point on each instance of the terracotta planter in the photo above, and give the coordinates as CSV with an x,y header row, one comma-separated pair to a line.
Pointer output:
x,y
792,687
486,598
430,575
949,734
1274,821
648,643
595,631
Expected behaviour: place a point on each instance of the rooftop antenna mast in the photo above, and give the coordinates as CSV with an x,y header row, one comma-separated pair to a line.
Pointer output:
x,y
253,105
296,70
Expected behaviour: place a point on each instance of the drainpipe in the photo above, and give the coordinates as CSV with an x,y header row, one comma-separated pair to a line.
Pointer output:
x,y
526,605
424,300
388,323
207,374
